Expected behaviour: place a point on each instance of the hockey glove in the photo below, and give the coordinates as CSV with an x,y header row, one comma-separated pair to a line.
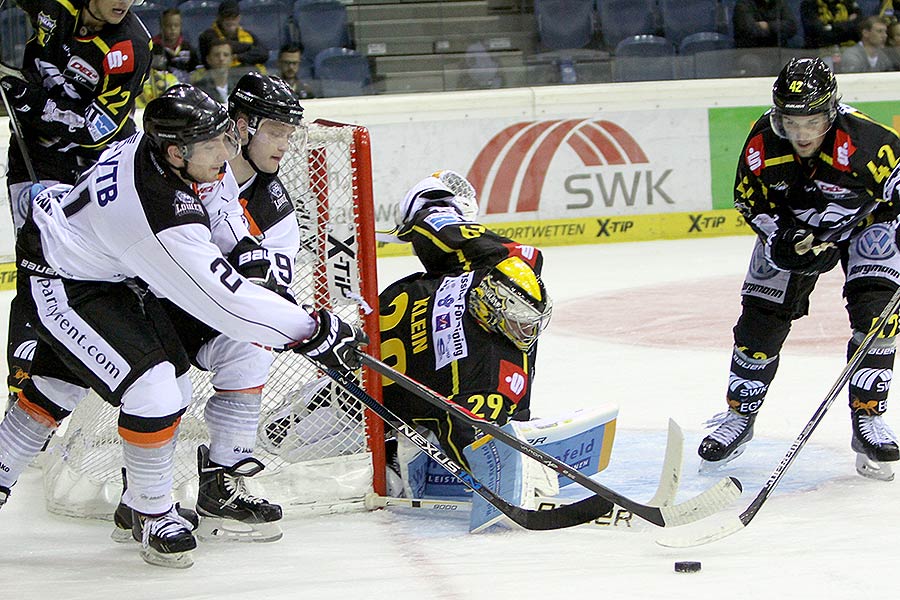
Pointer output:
x,y
333,344
23,98
796,249
251,260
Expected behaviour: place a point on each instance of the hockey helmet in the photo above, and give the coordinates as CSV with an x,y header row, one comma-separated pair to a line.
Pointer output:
x,y
264,97
806,86
185,115
511,300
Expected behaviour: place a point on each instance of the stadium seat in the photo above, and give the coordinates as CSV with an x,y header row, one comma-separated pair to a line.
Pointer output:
x,y
196,17
320,25
707,54
564,24
620,19
268,20
704,41
342,72
681,18
16,30
644,58
869,7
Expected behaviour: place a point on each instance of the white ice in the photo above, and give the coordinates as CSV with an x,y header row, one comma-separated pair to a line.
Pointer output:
x,y
824,533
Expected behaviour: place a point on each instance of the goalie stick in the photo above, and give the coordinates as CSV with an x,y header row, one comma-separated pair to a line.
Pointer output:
x,y
666,490
567,515
734,523
698,507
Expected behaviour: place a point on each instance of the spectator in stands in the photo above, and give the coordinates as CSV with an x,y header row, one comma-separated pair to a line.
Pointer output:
x,y
892,49
829,22
890,8
178,56
289,57
246,48
763,23
219,76
158,82
868,54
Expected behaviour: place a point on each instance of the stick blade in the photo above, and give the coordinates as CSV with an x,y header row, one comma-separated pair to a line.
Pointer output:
x,y
711,501
711,530
671,470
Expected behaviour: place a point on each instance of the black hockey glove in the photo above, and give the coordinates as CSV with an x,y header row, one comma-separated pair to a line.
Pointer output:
x,y
796,249
25,99
251,260
333,344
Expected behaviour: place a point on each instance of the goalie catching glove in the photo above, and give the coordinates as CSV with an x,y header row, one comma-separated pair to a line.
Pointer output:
x,y
333,344
796,249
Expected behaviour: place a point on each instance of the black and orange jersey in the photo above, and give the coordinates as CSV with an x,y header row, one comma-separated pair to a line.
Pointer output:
x,y
272,220
851,181
445,242
428,334
91,79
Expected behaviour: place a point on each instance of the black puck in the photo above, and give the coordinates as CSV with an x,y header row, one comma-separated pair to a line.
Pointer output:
x,y
687,566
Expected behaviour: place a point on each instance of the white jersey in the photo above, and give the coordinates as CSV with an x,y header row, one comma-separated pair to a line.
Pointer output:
x,y
130,216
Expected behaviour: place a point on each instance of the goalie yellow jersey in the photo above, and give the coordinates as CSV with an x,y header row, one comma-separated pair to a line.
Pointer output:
x,y
428,334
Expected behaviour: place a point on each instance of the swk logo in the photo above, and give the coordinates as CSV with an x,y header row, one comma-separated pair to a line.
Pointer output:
x,y
511,169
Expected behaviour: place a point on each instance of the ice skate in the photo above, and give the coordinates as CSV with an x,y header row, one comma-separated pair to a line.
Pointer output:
x,y
229,511
727,441
4,495
122,517
166,540
875,446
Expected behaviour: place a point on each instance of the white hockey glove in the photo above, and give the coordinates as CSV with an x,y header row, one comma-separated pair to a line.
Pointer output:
x,y
334,342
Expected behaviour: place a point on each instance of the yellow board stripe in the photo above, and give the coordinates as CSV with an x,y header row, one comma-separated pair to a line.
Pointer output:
x,y
7,276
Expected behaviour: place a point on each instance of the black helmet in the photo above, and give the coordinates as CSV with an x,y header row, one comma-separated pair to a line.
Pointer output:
x,y
806,86
263,97
184,115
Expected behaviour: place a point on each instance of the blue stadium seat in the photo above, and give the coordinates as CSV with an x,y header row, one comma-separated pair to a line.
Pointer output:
x,y
321,25
342,72
704,41
644,58
268,20
683,17
869,7
149,14
620,19
16,30
564,24
707,54
196,17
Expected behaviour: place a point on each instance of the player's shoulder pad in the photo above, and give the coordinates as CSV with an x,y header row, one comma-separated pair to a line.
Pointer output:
x,y
166,200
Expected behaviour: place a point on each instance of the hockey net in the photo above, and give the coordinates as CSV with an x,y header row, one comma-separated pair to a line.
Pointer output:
x,y
323,452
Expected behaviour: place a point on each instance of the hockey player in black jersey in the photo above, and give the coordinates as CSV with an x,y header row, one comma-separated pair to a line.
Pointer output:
x,y
134,223
817,181
82,71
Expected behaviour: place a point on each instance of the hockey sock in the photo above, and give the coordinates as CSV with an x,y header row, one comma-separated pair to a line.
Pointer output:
x,y
749,381
871,381
149,477
232,419
22,435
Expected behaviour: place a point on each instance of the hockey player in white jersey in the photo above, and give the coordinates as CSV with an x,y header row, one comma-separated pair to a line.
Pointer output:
x,y
267,115
132,223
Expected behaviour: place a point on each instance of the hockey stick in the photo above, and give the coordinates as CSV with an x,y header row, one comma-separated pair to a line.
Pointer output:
x,y
618,517
735,523
698,507
567,515
17,131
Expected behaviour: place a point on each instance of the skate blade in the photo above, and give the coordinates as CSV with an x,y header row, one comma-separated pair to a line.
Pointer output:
x,y
708,467
872,469
214,529
121,536
175,560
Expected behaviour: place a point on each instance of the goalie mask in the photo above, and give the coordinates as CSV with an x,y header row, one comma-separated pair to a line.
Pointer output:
x,y
806,87
466,201
511,300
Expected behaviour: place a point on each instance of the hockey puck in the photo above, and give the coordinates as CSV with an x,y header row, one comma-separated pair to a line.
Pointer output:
x,y
687,566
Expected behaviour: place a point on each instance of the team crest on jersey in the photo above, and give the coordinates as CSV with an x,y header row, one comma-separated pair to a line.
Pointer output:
x,y
876,242
276,193
46,25
513,381
119,59
185,204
